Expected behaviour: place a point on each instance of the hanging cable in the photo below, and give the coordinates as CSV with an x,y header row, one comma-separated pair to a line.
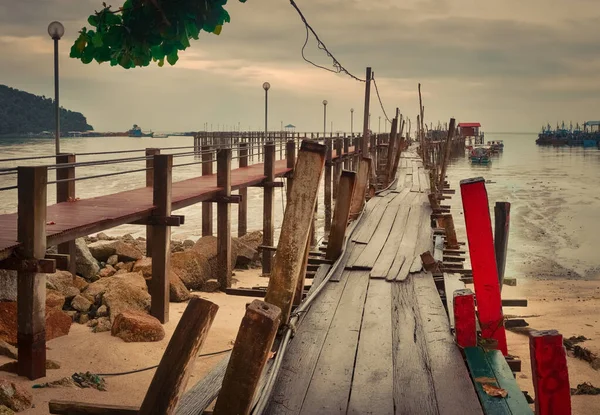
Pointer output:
x,y
379,98
336,64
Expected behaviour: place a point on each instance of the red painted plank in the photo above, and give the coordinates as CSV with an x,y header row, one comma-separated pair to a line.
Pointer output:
x,y
550,373
465,326
483,260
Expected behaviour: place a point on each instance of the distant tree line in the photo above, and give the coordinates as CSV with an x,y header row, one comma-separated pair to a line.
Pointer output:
x,y
23,113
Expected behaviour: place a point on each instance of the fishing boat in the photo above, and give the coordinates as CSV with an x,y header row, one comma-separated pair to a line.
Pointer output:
x,y
496,146
136,131
160,135
577,136
480,155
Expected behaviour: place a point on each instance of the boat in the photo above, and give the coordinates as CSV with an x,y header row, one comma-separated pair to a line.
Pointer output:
x,y
570,136
496,146
160,135
136,131
480,155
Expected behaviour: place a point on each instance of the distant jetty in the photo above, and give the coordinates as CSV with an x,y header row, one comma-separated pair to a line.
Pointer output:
x,y
588,136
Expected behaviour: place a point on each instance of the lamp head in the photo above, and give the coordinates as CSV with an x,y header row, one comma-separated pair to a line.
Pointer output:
x,y
351,109
266,86
324,102
56,30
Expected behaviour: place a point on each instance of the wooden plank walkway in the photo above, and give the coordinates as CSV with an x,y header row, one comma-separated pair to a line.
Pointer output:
x,y
371,346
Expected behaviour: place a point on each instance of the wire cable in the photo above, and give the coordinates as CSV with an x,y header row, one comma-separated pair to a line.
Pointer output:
x,y
380,103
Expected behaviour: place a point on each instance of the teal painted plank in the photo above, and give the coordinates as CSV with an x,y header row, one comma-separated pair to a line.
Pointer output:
x,y
480,368
516,400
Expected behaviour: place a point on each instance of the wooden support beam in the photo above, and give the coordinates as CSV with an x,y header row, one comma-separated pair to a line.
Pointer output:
x,y
296,227
172,220
299,293
447,148
207,208
347,158
65,191
61,261
450,232
31,286
327,181
483,260
337,166
341,215
224,218
243,192
45,266
171,377
268,208
248,358
360,188
465,325
364,142
150,153
501,228
161,237
550,373
290,156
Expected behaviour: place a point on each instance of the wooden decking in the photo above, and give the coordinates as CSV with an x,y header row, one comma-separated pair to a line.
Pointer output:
x,y
378,340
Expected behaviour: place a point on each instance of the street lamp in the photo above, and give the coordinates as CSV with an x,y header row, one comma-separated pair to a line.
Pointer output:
x,y
352,122
56,30
324,118
379,124
266,87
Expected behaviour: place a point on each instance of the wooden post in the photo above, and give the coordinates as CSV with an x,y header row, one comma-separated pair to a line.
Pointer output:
x,y
327,183
340,215
296,227
223,218
465,326
337,171
243,205
172,374
501,228
248,359
268,208
150,153
448,224
446,155
64,192
207,207
360,189
391,155
161,238
302,276
31,287
550,373
290,156
346,152
364,146
483,260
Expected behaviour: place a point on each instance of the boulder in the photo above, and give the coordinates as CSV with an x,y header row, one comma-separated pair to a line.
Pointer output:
x,y
144,266
8,285
87,266
246,256
126,292
190,268
104,237
80,283
14,396
127,238
136,326
252,239
63,282
177,290
112,260
188,244
127,266
176,246
6,411
102,311
58,323
125,251
83,318
81,304
55,300
107,271
102,250
8,350
103,324
210,286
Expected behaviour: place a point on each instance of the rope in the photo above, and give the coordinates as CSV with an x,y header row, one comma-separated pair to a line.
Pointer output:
x,y
379,98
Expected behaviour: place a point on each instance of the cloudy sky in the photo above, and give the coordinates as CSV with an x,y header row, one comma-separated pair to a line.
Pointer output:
x,y
512,65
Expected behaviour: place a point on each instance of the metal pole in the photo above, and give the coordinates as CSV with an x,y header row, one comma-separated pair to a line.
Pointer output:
x,y
266,111
324,120
352,123
56,104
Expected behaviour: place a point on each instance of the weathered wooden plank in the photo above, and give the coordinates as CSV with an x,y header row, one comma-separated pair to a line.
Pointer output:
x,y
452,283
450,377
320,275
423,243
501,230
413,386
516,400
406,248
370,220
483,374
61,407
203,393
424,186
373,383
303,352
387,256
356,252
332,379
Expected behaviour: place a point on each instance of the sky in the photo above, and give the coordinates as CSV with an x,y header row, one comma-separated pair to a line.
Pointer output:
x,y
512,65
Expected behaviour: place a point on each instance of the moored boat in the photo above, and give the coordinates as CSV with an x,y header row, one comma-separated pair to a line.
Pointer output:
x,y
480,155
136,131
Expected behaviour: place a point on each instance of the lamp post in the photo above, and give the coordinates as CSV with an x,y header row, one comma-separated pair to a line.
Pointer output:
x,y
369,121
324,118
56,30
352,122
266,87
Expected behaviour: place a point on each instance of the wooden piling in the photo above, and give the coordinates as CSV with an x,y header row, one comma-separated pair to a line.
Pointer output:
x,y
448,224
224,218
483,260
171,377
150,153
501,228
465,325
337,170
347,158
207,207
268,208
31,287
340,215
243,205
64,192
364,145
299,293
327,183
550,373
446,155
360,188
295,227
161,237
248,359
290,156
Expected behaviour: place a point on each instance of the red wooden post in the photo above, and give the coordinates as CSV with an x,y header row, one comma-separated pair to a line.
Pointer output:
x,y
550,373
465,326
483,260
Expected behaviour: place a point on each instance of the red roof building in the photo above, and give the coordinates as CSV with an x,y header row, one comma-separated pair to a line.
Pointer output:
x,y
469,129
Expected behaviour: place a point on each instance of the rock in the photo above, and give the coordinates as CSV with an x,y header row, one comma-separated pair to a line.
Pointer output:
x,y
103,324
55,300
80,283
8,285
103,249
83,318
176,246
252,239
125,251
128,251
8,350
104,237
210,286
58,323
62,281
144,266
107,271
14,396
127,238
80,303
188,244
6,411
112,260
246,256
127,266
10,367
52,364
190,269
177,291
136,326
73,314
102,311
87,266
120,292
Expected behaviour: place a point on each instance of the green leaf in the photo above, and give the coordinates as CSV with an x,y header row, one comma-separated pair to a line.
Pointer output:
x,y
172,58
217,30
97,40
161,63
93,20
